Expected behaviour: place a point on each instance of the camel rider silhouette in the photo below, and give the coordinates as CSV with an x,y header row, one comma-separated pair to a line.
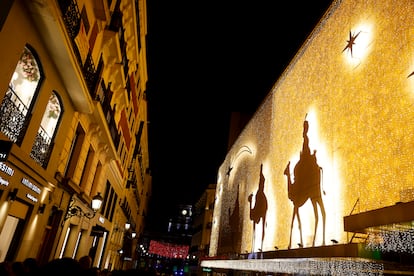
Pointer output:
x,y
260,208
305,146
306,185
307,167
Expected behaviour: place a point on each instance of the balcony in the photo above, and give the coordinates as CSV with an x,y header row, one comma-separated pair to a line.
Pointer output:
x,y
76,68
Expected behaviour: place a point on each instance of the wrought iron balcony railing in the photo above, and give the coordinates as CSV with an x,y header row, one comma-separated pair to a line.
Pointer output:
x,y
42,147
72,19
13,117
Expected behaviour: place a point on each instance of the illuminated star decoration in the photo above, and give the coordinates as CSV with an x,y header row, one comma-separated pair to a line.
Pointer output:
x,y
351,41
241,150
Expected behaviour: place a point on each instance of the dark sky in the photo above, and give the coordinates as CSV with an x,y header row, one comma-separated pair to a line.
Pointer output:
x,y
205,60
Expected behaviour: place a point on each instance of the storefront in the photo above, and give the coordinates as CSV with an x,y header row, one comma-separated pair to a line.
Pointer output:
x,y
21,212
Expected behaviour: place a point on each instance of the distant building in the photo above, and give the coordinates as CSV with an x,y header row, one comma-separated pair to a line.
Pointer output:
x,y
180,224
202,222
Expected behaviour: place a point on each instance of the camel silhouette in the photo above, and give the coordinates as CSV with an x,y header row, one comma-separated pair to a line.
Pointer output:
x,y
307,174
260,208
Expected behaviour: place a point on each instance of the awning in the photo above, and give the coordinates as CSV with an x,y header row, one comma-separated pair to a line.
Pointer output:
x,y
98,231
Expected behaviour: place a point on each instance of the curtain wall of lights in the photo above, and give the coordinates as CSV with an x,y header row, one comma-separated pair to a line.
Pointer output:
x,y
334,137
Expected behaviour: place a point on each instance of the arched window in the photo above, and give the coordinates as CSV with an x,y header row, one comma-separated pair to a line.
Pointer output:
x,y
18,102
42,145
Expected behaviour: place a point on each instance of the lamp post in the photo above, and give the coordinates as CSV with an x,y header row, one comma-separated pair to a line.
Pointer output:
x,y
97,202
127,225
128,243
75,210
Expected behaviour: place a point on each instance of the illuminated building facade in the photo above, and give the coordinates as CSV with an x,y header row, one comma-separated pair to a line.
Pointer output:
x,y
73,128
321,178
202,222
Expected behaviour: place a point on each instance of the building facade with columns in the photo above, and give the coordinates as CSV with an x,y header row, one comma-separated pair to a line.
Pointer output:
x,y
73,129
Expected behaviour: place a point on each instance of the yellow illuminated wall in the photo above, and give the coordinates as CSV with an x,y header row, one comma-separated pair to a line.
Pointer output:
x,y
360,111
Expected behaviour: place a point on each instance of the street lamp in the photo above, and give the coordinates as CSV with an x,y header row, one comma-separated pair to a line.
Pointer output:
x,y
75,210
127,225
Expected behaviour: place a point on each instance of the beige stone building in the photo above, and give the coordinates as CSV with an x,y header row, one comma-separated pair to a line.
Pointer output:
x,y
73,128
320,181
202,222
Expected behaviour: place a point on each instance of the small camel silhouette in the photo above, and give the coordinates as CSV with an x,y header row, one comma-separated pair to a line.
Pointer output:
x,y
260,208
307,174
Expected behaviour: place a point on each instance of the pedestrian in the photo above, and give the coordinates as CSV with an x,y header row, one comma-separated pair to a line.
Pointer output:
x,y
85,262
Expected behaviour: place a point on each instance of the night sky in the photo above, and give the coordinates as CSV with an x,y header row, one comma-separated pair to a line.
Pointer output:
x,y
205,60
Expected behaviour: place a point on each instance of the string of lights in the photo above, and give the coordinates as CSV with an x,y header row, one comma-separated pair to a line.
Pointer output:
x,y
312,266
391,240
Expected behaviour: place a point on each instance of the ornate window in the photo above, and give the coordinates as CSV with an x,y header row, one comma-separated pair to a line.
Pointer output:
x,y
16,106
42,146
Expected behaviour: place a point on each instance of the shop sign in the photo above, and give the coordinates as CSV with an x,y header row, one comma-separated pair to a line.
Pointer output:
x,y
32,198
6,169
3,182
26,182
